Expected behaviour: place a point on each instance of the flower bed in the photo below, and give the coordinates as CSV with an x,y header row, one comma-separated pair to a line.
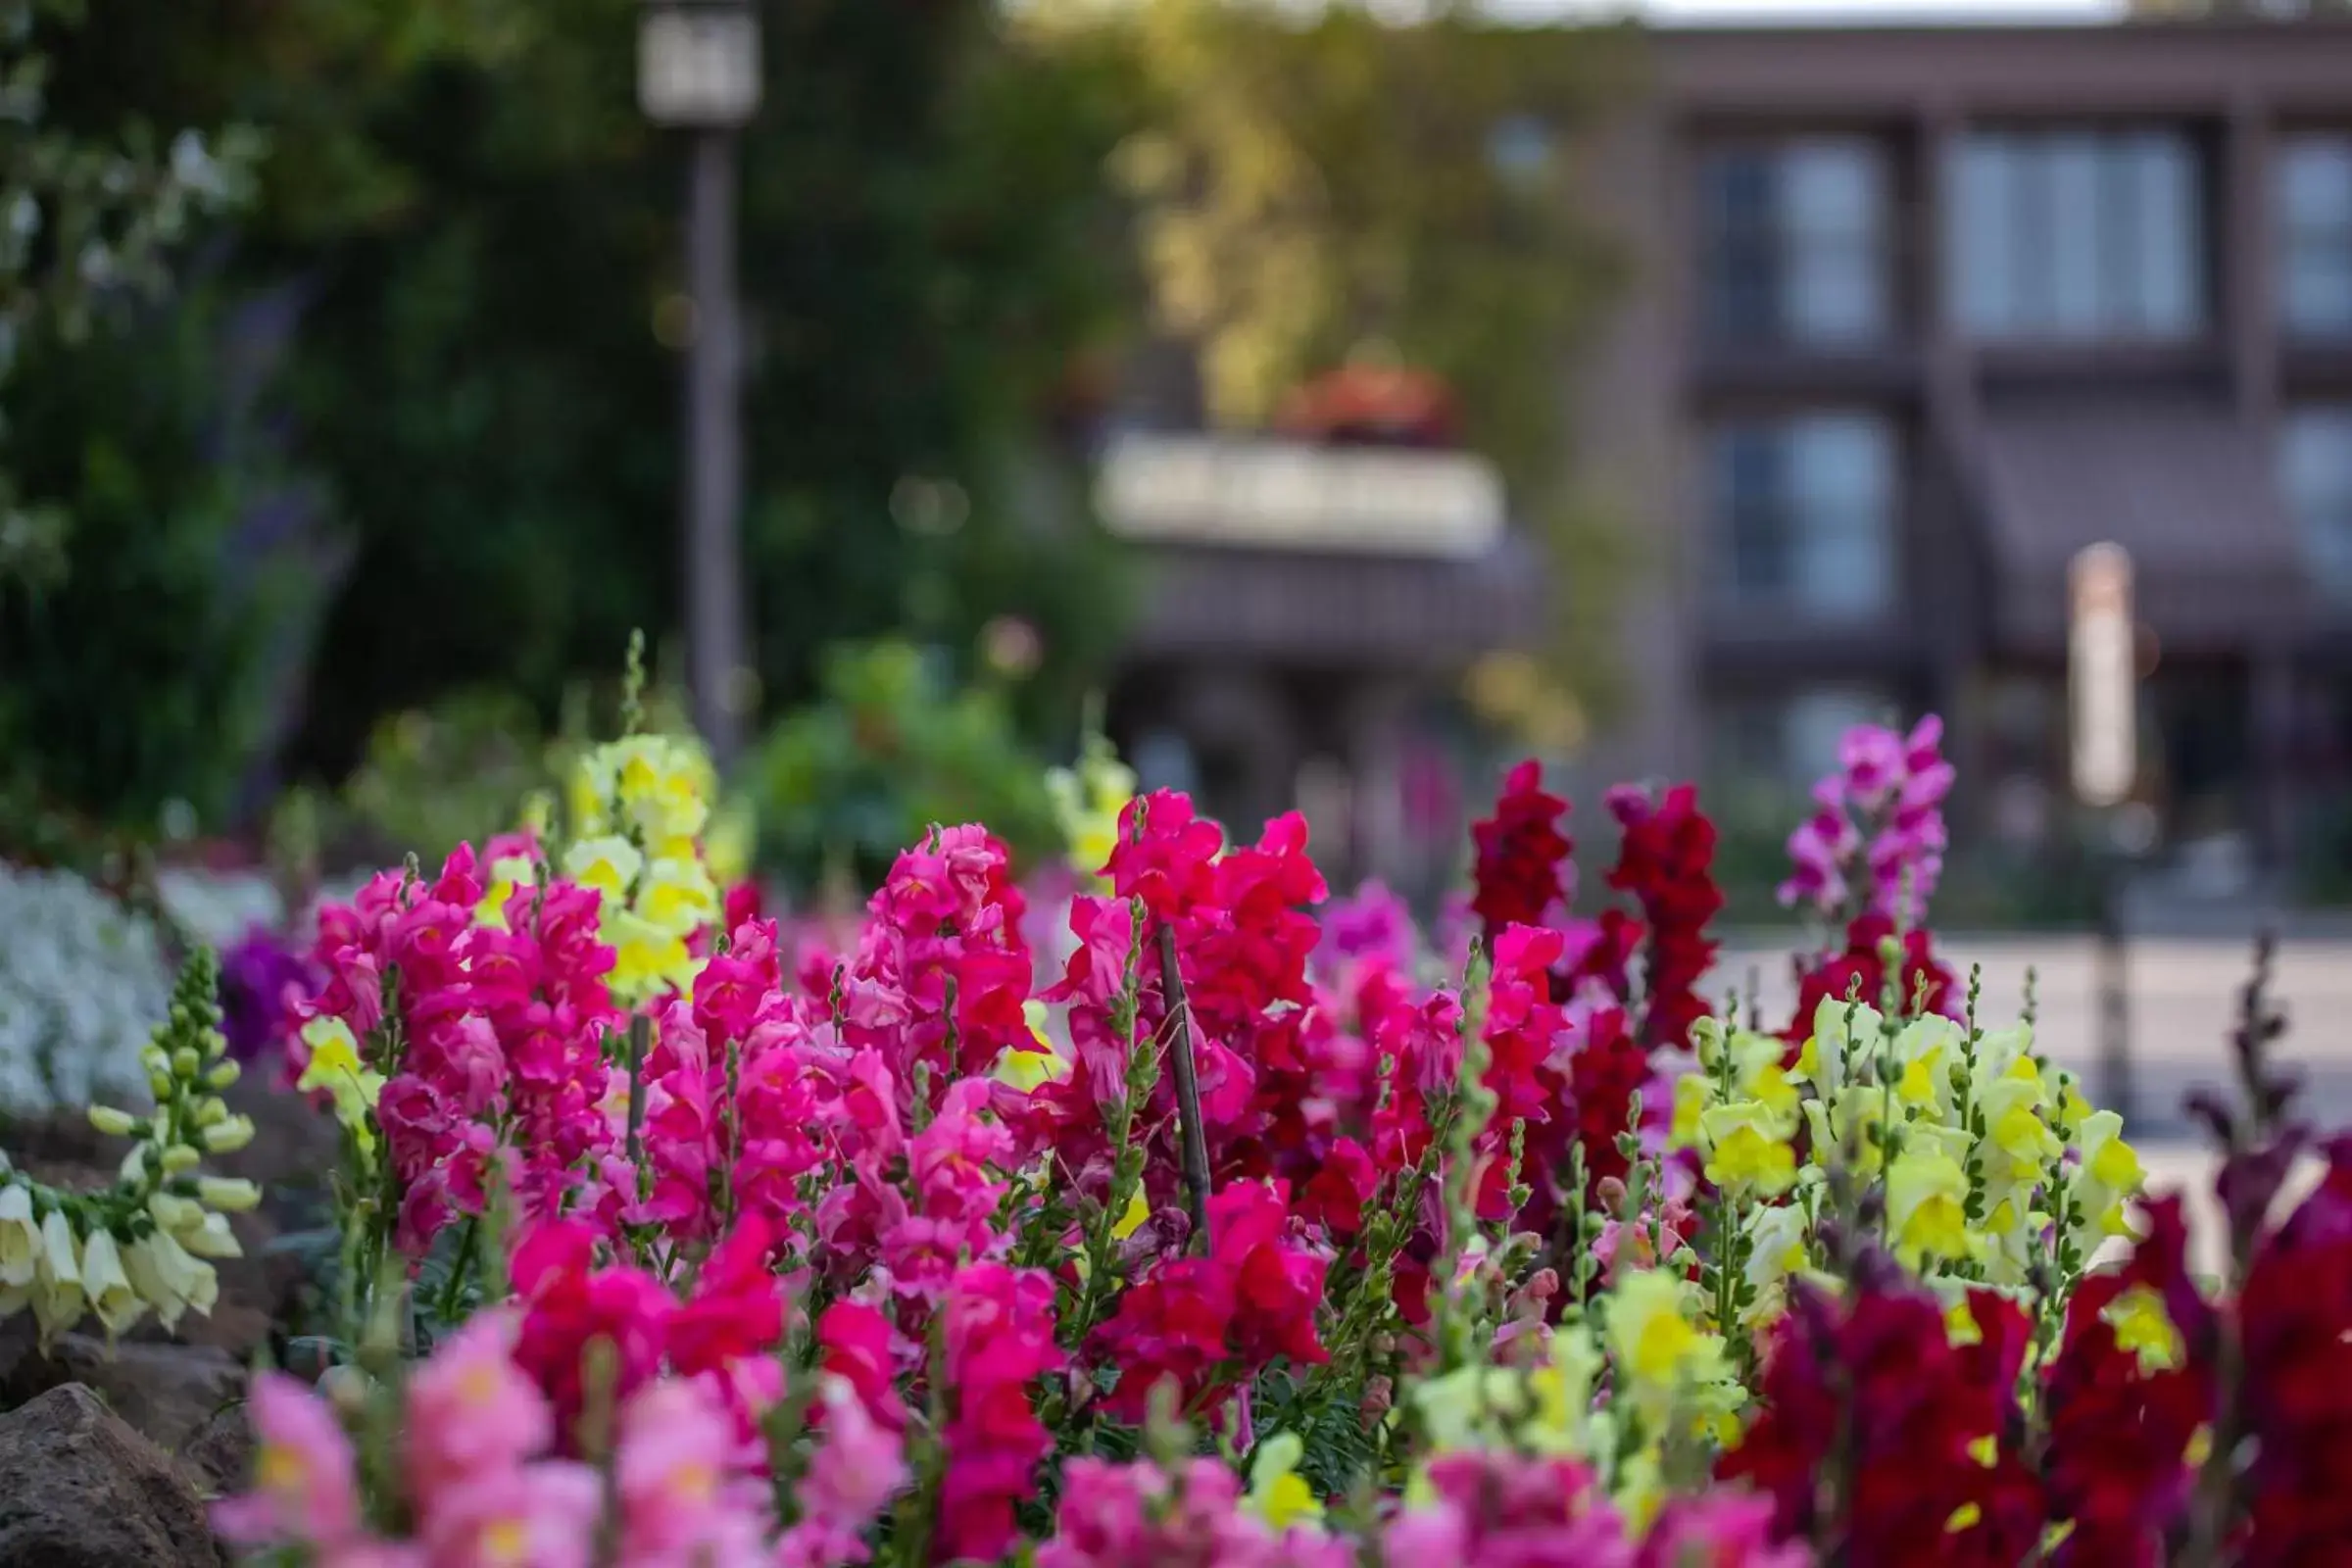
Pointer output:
x,y
1249,1239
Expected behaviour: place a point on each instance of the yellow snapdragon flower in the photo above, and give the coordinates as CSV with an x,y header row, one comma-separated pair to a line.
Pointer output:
x,y
2144,1328
1854,1114
2020,1144
1659,1353
1087,802
1279,1496
1924,1051
1835,1053
1747,1149
1927,1196
334,1066
503,876
646,958
608,862
638,806
2110,1175
659,786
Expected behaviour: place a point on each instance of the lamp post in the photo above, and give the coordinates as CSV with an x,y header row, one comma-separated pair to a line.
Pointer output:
x,y
698,70
2102,703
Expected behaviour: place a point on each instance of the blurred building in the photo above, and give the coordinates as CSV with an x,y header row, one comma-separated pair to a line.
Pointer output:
x,y
1312,599
1916,315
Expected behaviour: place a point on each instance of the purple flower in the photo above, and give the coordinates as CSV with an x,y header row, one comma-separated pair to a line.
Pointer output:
x,y
1881,811
261,980
1374,925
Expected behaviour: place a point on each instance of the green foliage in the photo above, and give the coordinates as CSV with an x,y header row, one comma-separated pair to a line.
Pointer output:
x,y
92,211
484,233
844,784
1311,193
460,769
140,682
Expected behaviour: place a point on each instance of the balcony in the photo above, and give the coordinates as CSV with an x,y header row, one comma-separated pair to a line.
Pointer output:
x,y
1280,550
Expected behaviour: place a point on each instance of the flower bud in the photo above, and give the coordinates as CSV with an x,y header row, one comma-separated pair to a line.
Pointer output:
x,y
185,1063
179,1158
209,1111
112,1122
153,1059
222,1074
347,1387
229,1136
232,1195
20,1237
174,1213
210,1237
159,1083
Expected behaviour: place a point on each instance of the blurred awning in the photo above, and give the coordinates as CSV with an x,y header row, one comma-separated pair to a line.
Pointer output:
x,y
2172,477
1371,612
1292,495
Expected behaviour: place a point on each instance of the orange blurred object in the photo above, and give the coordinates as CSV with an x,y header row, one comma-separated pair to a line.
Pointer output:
x,y
1372,405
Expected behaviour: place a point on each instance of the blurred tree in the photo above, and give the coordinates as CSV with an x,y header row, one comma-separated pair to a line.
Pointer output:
x,y
88,213
846,783
1315,186
482,233
138,682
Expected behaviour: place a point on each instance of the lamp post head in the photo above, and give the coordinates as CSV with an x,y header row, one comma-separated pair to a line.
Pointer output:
x,y
698,62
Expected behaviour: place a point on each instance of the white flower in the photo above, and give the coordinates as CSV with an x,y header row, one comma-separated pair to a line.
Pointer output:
x,y
81,984
229,1136
57,1277
20,1237
168,1278
106,1286
210,1237
232,1195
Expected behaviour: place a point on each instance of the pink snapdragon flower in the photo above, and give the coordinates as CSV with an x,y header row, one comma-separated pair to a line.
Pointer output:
x,y
472,1410
1878,817
857,1469
1113,1515
999,1340
543,1515
686,1496
1496,1510
1720,1528
302,1488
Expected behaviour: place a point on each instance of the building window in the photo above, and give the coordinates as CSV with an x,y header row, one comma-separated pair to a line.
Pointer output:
x,y
2315,234
2077,235
2316,477
1794,242
1804,514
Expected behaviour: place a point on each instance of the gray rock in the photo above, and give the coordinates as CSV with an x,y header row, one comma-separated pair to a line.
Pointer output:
x,y
84,1491
218,1457
169,1394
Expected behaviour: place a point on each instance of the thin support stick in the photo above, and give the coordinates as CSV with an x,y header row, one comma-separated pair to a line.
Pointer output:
x,y
1187,1085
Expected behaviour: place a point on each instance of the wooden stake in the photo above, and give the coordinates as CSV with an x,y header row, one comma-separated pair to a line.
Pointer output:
x,y
1187,1085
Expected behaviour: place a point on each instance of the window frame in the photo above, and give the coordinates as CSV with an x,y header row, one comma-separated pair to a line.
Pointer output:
x,y
2021,167
2293,238
1778,523
1764,258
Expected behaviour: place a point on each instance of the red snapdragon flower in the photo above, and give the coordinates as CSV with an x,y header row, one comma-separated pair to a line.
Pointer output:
x,y
1202,1322
1872,1390
1520,853
1665,863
